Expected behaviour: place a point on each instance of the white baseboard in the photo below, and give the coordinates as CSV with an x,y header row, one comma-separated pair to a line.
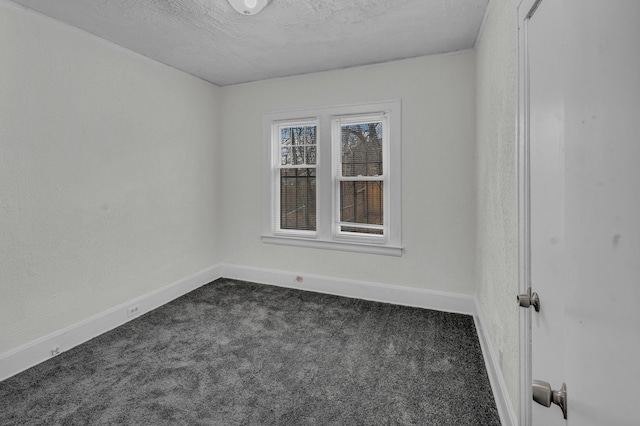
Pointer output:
x,y
498,386
33,353
39,350
377,292
398,295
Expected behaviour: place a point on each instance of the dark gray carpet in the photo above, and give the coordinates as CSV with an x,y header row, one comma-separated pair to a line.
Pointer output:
x,y
237,353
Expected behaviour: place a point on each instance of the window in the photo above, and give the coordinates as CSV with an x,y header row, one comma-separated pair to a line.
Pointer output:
x,y
358,144
332,178
295,169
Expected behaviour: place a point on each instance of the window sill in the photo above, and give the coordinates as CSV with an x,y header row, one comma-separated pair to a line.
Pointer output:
x,y
334,245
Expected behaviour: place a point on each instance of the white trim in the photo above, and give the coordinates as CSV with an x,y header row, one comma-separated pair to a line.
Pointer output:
x,y
39,350
299,241
326,236
398,295
496,378
385,178
277,167
365,290
33,353
522,165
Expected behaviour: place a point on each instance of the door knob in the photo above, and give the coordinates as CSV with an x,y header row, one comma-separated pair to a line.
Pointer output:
x,y
529,299
544,395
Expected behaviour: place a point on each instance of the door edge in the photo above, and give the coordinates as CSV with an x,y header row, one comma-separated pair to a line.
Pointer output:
x,y
524,12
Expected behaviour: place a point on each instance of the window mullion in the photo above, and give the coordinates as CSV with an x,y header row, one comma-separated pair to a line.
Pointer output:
x,y
324,180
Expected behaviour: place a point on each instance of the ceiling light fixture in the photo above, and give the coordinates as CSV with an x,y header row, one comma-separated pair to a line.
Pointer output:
x,y
248,7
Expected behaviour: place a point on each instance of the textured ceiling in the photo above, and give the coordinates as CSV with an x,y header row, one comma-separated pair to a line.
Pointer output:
x,y
209,39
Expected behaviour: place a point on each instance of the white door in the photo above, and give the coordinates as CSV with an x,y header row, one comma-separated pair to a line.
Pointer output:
x,y
580,75
547,197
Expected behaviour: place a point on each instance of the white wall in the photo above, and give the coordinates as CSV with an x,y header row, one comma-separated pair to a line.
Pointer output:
x,y
438,137
119,175
108,182
496,180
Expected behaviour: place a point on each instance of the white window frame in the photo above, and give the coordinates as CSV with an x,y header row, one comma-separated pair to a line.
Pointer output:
x,y
275,174
336,139
327,234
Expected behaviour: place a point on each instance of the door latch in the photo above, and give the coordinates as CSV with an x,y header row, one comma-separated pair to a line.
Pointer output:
x,y
529,299
544,395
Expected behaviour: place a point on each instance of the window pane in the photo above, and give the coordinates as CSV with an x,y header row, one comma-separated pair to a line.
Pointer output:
x,y
295,142
362,149
361,202
285,155
310,154
298,199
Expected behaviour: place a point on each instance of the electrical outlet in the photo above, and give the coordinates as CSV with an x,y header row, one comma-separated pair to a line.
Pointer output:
x,y
500,358
55,351
133,310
